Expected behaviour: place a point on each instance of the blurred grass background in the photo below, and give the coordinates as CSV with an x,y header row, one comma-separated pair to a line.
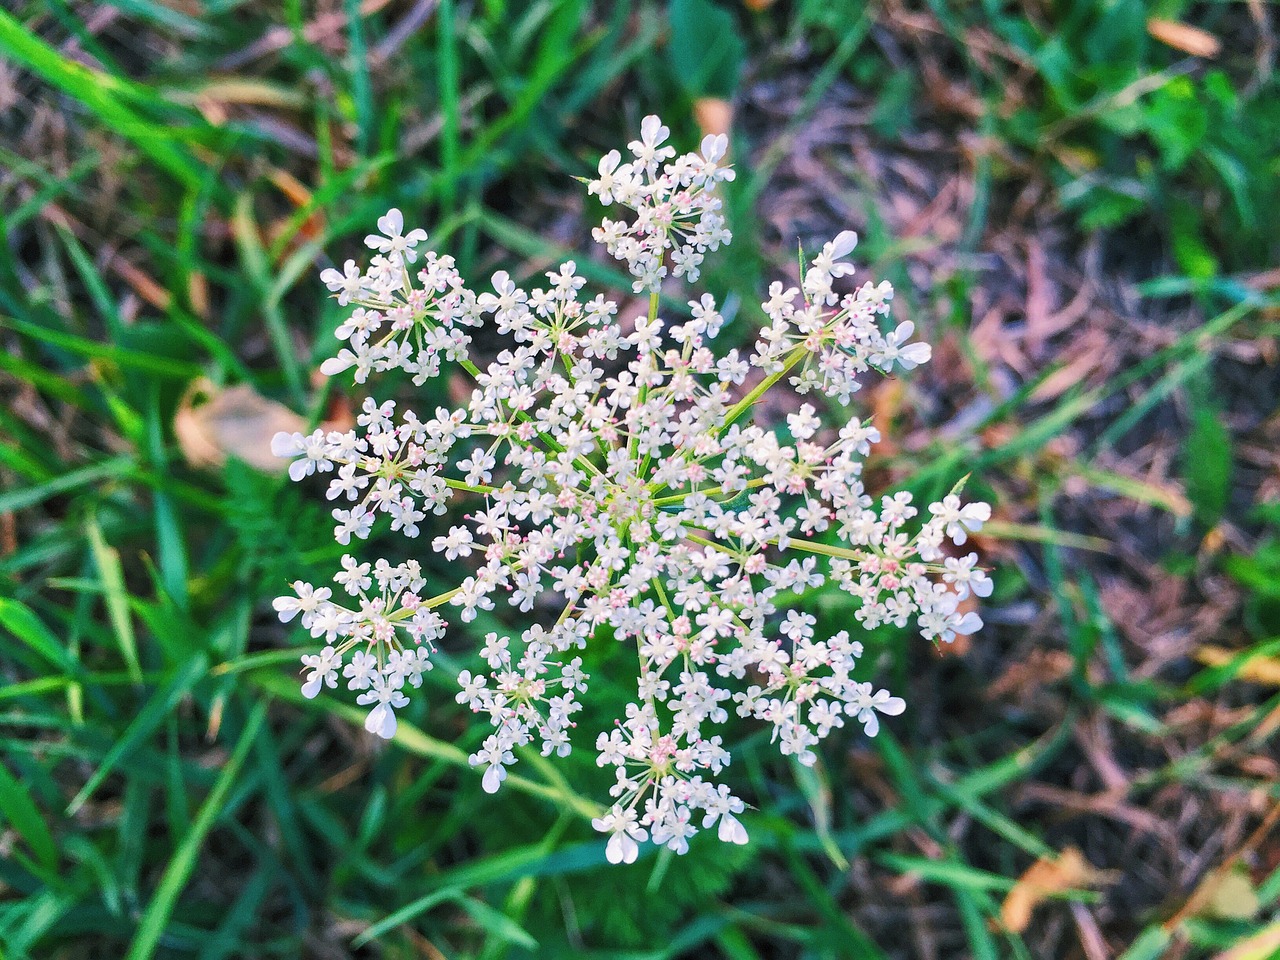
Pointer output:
x,y
1077,201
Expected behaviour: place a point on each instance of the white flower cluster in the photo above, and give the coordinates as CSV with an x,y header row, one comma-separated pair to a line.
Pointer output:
x,y
618,494
677,212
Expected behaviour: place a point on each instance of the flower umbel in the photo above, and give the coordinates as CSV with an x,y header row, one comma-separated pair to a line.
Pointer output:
x,y
617,491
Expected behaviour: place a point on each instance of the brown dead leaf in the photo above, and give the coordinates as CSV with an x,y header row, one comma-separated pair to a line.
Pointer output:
x,y
214,423
714,116
1226,893
886,399
143,285
1180,36
198,294
1039,303
1257,669
1020,679
300,196
1233,896
1068,871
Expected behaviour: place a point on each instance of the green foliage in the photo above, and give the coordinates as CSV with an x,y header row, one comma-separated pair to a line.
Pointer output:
x,y
1130,131
1207,455
705,48
166,792
1258,571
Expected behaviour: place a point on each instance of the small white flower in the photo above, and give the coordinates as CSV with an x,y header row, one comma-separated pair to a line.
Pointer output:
x,y
648,149
386,696
625,835
394,243
324,671
865,704
348,285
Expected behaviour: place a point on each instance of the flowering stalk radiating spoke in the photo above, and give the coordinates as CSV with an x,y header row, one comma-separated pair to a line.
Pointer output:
x,y
616,486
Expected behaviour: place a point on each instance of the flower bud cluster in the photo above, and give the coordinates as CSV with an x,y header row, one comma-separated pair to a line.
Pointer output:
x,y
677,211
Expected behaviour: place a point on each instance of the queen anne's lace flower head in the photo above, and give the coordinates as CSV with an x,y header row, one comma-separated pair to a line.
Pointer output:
x,y
609,467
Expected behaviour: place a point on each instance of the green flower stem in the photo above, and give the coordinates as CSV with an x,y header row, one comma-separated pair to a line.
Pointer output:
x,y
467,488
644,387
712,491
745,404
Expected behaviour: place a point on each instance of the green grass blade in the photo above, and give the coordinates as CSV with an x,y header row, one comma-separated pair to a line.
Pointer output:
x,y
19,809
148,719
107,560
178,872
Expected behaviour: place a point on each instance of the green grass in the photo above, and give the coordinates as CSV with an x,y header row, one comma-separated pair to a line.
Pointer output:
x,y
164,789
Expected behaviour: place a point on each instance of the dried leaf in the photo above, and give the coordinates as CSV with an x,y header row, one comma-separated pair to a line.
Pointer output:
x,y
300,196
1180,36
714,116
1068,871
1232,896
213,424
1257,669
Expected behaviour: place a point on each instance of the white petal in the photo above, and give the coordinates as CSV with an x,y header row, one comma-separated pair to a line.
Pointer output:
x,y
373,722
285,444
652,130
843,244
613,849
621,849
892,706
299,469
870,722
493,778
914,354
312,687
335,365
731,830
392,223
388,728
287,607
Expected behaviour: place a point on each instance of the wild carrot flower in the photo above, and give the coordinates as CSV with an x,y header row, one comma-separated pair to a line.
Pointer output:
x,y
611,464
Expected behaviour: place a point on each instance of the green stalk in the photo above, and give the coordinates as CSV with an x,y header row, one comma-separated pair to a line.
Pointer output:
x,y
745,404
633,442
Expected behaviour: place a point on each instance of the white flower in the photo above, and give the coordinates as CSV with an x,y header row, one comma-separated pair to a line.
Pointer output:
x,y
723,807
648,149
864,705
625,835
392,243
604,185
493,756
307,601
386,696
610,473
457,544
963,572
348,285
960,519
324,671
410,665
897,350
